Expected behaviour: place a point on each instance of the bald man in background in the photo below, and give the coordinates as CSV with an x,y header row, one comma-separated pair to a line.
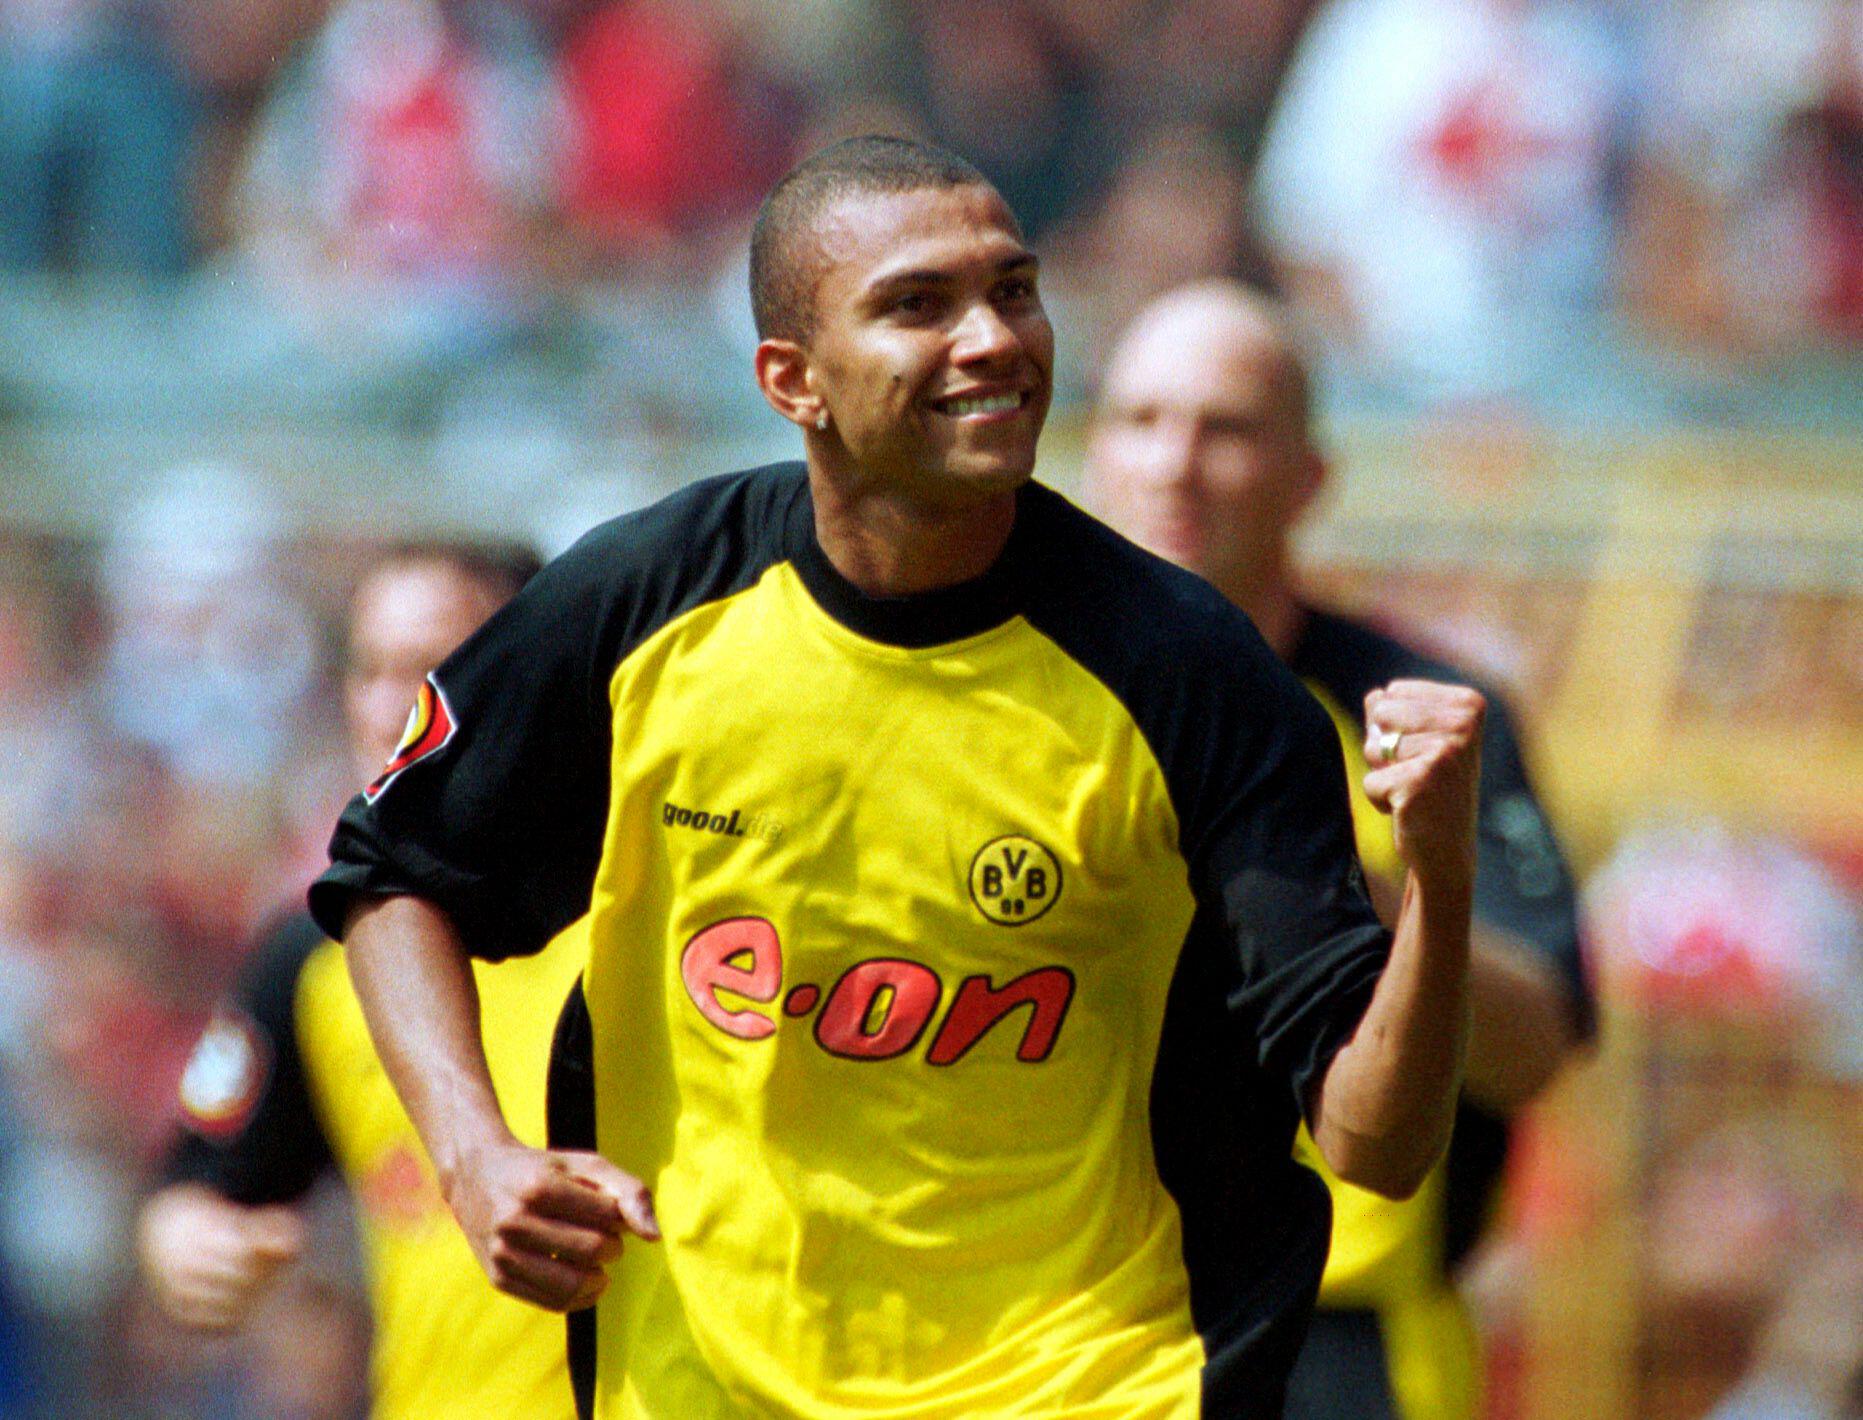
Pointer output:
x,y
1201,449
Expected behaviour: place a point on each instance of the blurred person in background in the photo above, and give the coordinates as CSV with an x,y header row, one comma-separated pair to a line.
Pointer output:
x,y
231,52
1746,199
675,126
1207,61
1177,210
89,1014
1749,1257
1201,449
1435,185
96,138
397,176
1008,84
284,1085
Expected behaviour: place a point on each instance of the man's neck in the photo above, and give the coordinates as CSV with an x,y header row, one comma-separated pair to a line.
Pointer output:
x,y
1277,613
890,547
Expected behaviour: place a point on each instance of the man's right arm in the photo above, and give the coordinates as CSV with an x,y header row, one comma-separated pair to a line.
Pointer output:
x,y
542,1222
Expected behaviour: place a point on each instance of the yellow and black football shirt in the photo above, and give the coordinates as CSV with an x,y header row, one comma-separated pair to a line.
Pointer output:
x,y
1392,1337
958,963
285,1084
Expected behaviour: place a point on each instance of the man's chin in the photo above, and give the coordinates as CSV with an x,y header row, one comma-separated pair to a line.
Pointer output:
x,y
987,472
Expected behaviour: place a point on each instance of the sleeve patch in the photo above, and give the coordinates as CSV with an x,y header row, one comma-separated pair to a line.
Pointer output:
x,y
225,1075
430,729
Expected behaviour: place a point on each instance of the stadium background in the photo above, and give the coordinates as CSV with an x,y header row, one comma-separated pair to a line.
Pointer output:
x,y
282,279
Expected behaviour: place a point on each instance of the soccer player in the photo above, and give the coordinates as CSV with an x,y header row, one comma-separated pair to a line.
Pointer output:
x,y
971,899
284,1084
1201,450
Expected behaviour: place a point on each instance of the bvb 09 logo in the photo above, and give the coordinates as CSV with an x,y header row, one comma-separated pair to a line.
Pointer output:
x,y
1014,880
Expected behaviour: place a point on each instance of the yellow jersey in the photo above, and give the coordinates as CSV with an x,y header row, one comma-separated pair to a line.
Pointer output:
x,y
285,1083
958,965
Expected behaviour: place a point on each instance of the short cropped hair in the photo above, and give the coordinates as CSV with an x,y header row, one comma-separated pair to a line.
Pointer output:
x,y
783,267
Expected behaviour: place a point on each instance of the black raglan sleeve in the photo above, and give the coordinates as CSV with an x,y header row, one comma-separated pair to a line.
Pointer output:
x,y
495,805
247,1127
1268,836
1257,780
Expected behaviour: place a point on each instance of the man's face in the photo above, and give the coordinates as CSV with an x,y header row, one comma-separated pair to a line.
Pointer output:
x,y
405,619
930,346
1199,448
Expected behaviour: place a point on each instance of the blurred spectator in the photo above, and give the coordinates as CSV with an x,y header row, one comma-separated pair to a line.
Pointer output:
x,y
96,127
1699,919
134,855
1748,1245
1177,211
1008,86
230,51
673,128
209,652
1808,1362
1217,62
399,170
1751,1262
1747,208
1435,183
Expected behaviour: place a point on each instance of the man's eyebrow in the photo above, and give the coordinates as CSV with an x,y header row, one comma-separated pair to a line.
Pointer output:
x,y
926,276
933,276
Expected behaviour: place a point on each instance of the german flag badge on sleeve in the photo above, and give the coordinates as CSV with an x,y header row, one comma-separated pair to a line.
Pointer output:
x,y
430,726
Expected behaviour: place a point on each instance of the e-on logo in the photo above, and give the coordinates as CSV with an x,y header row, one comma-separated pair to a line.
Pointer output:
x,y
1013,880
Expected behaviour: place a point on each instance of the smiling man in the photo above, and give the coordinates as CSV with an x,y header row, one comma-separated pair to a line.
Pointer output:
x,y
964,950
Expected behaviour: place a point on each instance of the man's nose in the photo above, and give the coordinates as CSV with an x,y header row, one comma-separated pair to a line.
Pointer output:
x,y
984,335
1169,452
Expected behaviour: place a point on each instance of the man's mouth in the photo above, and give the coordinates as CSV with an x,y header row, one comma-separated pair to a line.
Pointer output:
x,y
981,405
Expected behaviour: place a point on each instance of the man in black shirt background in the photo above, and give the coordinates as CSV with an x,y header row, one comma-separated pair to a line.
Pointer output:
x,y
1202,451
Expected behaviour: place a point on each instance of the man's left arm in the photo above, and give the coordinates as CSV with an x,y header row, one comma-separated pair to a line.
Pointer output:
x,y
1521,1021
1381,1111
1530,1005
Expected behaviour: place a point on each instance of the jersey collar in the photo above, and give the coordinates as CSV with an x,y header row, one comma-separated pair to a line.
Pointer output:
x,y
927,618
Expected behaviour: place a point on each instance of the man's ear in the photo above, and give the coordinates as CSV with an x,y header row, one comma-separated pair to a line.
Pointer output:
x,y
783,375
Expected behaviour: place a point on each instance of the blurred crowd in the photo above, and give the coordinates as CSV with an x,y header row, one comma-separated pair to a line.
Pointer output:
x,y
170,763
543,205
1449,190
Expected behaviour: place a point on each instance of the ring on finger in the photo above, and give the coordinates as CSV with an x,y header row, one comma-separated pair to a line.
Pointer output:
x,y
1386,745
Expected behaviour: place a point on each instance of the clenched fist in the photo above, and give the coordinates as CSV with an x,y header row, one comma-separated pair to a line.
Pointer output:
x,y
1423,743
208,1260
545,1223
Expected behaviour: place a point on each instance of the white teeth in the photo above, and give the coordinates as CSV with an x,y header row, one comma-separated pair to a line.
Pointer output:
x,y
987,404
